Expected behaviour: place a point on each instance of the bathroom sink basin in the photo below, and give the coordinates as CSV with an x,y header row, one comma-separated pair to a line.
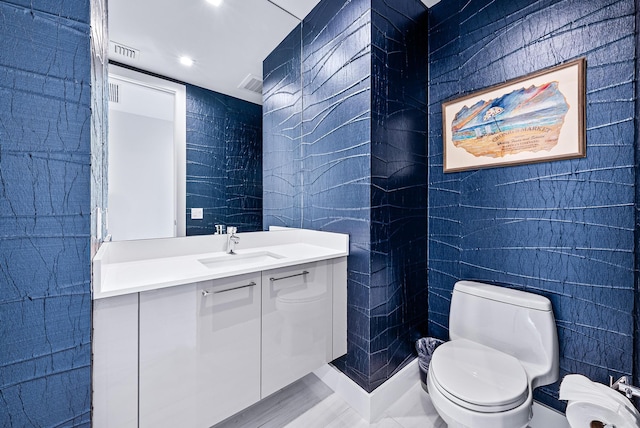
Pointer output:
x,y
238,260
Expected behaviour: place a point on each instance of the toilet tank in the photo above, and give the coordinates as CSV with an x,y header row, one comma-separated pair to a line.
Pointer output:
x,y
515,322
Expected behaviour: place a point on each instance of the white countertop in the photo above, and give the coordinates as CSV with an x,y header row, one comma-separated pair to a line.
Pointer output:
x,y
134,266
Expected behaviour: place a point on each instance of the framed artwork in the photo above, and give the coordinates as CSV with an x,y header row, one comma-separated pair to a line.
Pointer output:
x,y
535,118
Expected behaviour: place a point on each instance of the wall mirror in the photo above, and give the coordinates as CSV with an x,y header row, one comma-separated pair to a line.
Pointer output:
x,y
227,44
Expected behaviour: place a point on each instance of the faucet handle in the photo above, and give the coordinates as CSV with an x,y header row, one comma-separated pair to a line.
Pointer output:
x,y
231,230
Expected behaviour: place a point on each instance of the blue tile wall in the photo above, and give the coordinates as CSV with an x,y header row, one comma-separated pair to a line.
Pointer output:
x,y
357,165
282,127
636,368
336,152
45,291
561,229
243,134
398,299
224,161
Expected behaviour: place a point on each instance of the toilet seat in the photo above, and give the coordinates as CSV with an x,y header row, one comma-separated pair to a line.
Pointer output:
x,y
477,377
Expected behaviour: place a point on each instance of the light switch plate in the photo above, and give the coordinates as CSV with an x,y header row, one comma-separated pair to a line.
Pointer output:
x,y
197,214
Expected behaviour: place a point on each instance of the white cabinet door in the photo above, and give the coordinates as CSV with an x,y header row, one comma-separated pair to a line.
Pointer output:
x,y
296,323
115,362
199,352
168,331
229,347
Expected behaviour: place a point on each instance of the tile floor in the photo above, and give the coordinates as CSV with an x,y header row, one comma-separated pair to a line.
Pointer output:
x,y
309,403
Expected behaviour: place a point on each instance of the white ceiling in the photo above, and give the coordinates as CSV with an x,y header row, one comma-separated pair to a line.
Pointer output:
x,y
227,42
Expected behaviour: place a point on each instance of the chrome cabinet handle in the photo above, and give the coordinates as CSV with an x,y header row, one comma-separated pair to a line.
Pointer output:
x,y
205,293
304,272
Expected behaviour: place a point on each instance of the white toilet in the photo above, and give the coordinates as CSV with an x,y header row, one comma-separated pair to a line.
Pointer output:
x,y
504,344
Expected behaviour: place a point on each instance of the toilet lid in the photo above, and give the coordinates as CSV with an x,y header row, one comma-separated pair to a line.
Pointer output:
x,y
478,377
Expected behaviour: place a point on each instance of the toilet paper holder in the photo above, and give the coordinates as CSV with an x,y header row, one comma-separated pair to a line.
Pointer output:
x,y
625,387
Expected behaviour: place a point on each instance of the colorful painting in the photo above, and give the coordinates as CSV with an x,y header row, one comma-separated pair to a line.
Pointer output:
x,y
536,118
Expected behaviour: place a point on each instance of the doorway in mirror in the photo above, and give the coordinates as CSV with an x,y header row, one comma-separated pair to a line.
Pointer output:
x,y
147,145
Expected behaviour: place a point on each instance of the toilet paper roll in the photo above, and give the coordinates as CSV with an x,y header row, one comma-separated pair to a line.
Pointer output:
x,y
582,415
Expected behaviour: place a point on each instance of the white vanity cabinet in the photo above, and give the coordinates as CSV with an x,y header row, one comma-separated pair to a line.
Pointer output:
x,y
199,352
181,341
296,323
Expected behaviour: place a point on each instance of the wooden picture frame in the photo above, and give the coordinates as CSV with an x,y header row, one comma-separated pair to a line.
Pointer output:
x,y
535,118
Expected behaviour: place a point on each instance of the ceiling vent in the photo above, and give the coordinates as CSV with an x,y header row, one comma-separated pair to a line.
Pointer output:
x,y
120,51
251,83
114,93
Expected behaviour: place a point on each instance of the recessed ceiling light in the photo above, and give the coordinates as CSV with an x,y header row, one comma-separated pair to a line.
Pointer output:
x,y
215,2
186,61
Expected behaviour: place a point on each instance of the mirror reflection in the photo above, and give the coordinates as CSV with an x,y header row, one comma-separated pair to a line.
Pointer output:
x,y
185,136
147,149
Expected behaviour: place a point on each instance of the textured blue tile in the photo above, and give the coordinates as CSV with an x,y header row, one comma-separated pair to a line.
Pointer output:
x,y
56,342
243,135
58,48
627,131
45,291
335,152
399,178
357,164
38,402
282,127
562,229
224,162
74,10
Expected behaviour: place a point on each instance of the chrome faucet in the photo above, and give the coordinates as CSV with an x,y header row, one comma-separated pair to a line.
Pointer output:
x,y
232,239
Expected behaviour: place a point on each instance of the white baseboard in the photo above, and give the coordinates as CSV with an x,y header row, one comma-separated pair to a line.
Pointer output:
x,y
546,417
370,405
